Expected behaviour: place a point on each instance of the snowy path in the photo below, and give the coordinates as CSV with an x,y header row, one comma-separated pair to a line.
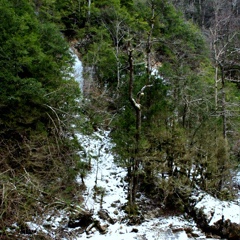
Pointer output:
x,y
104,177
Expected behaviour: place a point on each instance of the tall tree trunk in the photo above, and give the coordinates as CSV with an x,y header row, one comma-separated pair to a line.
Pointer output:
x,y
149,42
133,178
89,9
224,117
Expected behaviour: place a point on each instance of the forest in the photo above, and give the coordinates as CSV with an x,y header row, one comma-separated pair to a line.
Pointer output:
x,y
163,76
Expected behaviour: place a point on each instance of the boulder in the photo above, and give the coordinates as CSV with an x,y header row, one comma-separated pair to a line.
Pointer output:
x,y
82,219
103,214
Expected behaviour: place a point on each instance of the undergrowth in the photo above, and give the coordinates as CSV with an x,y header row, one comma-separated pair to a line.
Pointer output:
x,y
37,172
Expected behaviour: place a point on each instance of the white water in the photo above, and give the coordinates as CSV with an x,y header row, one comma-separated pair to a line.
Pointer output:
x,y
78,70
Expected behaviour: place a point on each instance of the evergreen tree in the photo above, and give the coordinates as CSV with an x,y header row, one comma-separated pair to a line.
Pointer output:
x,y
38,105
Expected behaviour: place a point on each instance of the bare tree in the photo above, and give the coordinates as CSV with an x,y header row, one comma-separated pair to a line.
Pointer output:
x,y
223,33
117,30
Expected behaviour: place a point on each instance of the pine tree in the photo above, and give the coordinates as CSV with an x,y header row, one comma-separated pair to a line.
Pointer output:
x,y
38,105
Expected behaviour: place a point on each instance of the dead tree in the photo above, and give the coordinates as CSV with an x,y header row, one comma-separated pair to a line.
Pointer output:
x,y
133,168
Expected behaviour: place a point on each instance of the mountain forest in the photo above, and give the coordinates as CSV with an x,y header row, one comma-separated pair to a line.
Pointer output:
x,y
163,76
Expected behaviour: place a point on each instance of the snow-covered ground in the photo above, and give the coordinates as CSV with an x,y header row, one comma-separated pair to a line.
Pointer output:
x,y
105,176
106,191
216,210
109,177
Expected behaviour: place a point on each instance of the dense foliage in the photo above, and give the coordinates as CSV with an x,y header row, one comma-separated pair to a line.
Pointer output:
x,y
38,105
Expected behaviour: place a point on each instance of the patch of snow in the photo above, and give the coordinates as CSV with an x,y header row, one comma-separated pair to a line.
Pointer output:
x,y
216,210
105,174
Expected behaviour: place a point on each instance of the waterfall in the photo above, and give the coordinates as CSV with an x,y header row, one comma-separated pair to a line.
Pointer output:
x,y
78,70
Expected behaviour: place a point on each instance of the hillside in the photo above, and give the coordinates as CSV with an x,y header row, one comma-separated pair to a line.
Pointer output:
x,y
159,79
